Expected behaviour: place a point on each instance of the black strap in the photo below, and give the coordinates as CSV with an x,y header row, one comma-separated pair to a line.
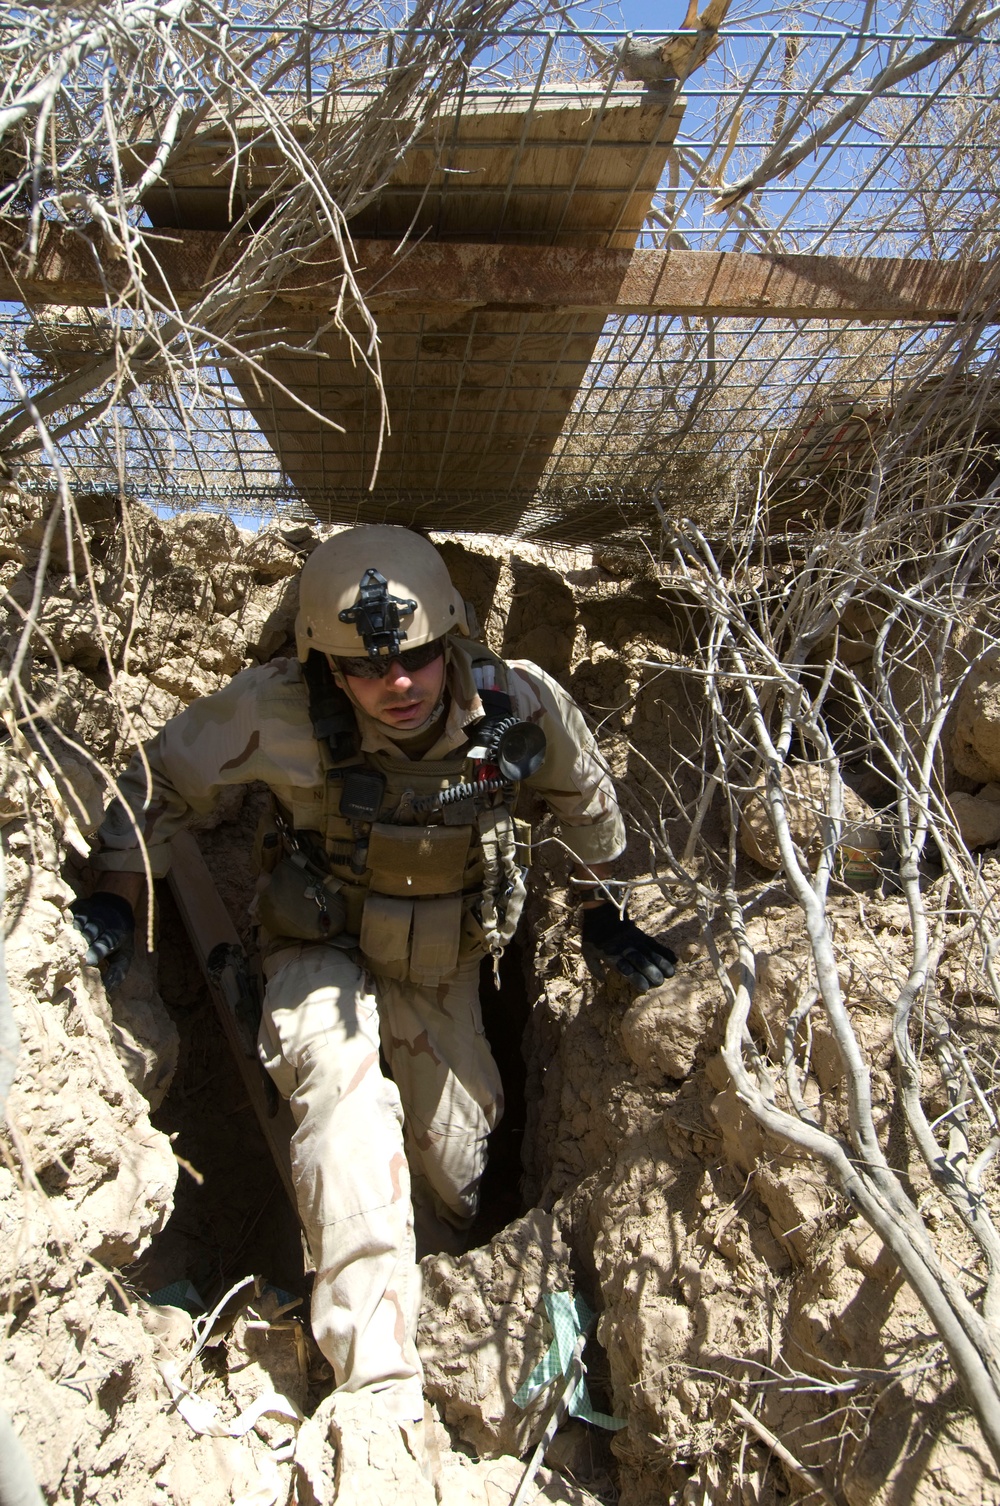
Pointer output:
x,y
498,708
496,703
330,711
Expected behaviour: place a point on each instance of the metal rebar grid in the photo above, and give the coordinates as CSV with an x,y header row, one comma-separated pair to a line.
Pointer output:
x,y
567,426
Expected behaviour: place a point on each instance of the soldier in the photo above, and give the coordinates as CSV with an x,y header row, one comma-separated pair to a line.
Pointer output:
x,y
394,747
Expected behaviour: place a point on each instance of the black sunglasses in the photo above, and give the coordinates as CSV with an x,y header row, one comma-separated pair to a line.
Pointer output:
x,y
365,668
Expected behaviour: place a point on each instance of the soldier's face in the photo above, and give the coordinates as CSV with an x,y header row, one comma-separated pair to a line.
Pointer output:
x,y
403,697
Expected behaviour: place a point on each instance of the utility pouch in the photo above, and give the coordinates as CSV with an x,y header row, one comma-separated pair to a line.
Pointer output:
x,y
411,861
437,932
522,843
385,934
293,903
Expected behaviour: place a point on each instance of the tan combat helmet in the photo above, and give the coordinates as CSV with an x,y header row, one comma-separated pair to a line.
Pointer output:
x,y
375,590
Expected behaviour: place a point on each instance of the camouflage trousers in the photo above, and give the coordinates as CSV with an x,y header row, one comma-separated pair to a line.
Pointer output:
x,y
360,1134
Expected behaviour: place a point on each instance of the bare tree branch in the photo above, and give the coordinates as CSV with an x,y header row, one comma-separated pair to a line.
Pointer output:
x,y
781,159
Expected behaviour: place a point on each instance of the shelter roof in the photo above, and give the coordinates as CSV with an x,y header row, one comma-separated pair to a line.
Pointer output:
x,y
573,418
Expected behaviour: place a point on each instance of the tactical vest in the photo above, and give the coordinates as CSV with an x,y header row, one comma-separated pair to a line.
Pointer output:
x,y
418,864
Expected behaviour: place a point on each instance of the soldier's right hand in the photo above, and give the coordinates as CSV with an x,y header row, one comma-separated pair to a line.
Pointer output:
x,y
108,924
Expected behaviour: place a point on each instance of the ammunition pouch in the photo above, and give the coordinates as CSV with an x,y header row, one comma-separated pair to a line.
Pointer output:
x,y
418,860
295,903
419,939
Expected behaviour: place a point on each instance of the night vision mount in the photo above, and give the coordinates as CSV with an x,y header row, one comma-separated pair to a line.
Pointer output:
x,y
376,615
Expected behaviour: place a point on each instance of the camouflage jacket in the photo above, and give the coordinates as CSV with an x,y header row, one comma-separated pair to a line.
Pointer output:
x,y
258,728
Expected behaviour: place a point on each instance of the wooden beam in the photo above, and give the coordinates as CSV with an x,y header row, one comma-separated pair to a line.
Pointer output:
x,y
72,268
566,279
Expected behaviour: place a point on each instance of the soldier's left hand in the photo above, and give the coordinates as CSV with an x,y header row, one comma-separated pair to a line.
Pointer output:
x,y
107,922
614,940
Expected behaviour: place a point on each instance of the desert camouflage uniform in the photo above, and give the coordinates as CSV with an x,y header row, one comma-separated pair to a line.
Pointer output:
x,y
360,1135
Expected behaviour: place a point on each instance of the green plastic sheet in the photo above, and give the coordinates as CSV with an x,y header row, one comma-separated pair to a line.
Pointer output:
x,y
570,1317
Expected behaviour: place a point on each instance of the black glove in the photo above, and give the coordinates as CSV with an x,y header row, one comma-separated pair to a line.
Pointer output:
x,y
613,939
107,922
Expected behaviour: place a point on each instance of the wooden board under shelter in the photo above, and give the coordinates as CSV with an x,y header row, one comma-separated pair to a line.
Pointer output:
x,y
476,398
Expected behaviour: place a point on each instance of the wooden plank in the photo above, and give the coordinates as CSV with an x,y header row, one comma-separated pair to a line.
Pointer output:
x,y
209,925
565,172
453,280
477,401
577,170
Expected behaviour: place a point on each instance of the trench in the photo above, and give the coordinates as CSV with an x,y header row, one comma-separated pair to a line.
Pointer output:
x,y
231,1217
506,1011
237,1221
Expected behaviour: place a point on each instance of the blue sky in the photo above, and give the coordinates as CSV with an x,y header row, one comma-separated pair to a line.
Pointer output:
x,y
639,15
643,15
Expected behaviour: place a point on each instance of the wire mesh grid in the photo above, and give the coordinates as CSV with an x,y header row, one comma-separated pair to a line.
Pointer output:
x,y
575,426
